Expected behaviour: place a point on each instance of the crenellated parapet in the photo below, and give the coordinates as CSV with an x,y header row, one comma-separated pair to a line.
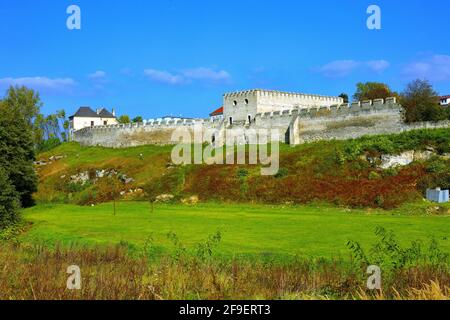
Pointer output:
x,y
151,124
282,95
337,110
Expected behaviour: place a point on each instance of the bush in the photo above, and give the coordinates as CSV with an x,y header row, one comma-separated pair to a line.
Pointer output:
x,y
74,187
242,173
173,182
388,254
438,166
397,143
9,202
390,172
86,197
443,147
374,175
282,173
379,201
339,157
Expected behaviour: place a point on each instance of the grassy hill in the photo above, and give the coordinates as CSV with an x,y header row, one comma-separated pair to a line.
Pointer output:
x,y
344,173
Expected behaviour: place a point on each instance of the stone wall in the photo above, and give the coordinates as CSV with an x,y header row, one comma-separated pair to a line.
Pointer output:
x,y
130,135
294,126
347,121
334,122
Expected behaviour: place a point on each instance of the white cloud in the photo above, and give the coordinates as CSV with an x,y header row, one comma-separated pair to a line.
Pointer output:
x,y
97,75
205,75
164,77
342,68
39,83
378,65
338,68
435,68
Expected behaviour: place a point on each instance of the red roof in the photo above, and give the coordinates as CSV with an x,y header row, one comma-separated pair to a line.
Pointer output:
x,y
445,97
218,112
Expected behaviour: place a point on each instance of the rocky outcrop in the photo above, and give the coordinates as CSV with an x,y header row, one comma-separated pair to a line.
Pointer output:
x,y
85,176
390,161
406,158
41,163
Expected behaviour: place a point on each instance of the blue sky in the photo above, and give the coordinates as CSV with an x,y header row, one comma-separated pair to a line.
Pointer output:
x,y
161,57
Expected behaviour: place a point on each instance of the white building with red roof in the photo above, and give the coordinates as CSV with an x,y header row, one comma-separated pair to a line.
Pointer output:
x,y
217,115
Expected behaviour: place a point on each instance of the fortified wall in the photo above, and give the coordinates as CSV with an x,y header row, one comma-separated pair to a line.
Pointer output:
x,y
294,126
137,134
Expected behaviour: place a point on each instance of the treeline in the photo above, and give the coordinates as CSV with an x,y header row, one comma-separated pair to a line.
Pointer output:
x,y
419,99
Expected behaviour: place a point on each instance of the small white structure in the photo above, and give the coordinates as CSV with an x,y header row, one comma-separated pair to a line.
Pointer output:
x,y
445,100
86,117
438,195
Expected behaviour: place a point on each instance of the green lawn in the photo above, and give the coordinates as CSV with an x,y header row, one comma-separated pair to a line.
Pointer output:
x,y
246,229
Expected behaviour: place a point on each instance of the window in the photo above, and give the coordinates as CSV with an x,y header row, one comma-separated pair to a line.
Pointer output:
x,y
235,103
105,123
231,121
249,117
92,123
246,101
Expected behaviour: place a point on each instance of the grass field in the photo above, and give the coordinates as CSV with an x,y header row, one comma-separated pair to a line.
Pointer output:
x,y
313,231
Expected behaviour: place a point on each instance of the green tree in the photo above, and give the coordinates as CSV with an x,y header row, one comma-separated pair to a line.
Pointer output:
x,y
25,101
137,119
26,104
373,90
124,119
345,97
421,103
9,201
17,151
